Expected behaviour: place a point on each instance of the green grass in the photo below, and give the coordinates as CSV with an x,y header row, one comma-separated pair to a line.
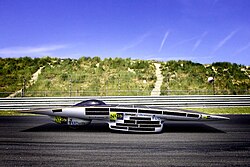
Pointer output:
x,y
227,110
187,78
14,113
90,77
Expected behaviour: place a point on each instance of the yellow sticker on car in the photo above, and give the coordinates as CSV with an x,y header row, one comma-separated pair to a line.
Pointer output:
x,y
60,120
204,116
112,116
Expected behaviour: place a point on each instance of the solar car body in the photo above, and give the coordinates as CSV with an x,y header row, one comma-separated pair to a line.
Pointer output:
x,y
126,118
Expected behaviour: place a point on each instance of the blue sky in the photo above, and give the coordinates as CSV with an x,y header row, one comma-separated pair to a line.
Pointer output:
x,y
203,31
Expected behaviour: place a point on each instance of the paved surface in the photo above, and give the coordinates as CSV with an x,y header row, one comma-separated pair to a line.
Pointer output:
x,y
35,141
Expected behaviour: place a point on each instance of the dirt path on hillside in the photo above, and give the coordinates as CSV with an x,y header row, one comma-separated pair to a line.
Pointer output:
x,y
30,83
157,89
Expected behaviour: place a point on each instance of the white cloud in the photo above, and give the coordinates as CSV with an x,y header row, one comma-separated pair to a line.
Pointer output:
x,y
242,49
198,42
135,43
19,51
184,41
163,41
222,42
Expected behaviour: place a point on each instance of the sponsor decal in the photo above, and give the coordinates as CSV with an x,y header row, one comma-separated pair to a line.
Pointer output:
x,y
61,120
72,121
204,117
113,116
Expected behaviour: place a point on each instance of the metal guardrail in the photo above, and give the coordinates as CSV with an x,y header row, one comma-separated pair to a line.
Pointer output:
x,y
156,101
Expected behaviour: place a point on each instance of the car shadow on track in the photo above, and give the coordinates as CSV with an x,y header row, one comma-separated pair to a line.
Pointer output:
x,y
103,127
52,127
189,128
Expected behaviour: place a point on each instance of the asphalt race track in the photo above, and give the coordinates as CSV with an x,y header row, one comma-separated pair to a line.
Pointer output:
x,y
35,141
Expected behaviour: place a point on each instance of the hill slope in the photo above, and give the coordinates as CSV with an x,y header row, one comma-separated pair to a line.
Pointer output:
x,y
95,77
186,77
15,72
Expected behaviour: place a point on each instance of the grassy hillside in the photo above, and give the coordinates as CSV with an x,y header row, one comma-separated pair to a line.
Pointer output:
x,y
14,72
186,77
95,77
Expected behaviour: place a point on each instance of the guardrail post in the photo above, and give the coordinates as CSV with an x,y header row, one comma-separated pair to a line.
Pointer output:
x,y
24,87
70,87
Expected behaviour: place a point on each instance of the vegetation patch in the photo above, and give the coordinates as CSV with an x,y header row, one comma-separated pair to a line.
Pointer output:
x,y
14,113
224,110
15,73
92,76
95,77
186,77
